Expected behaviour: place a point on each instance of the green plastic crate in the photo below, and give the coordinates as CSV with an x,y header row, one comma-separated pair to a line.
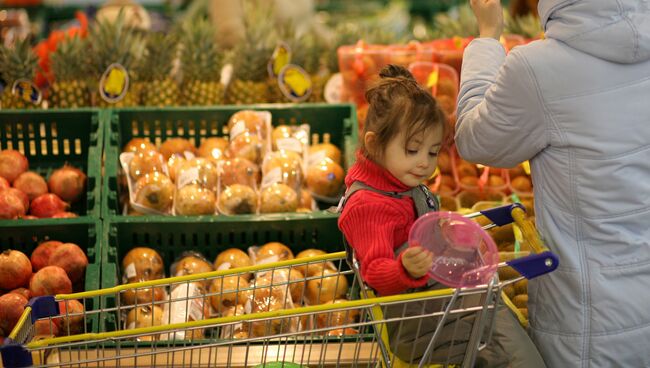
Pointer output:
x,y
85,232
51,138
209,238
338,120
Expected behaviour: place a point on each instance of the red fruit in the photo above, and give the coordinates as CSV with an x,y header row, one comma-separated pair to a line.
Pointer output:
x,y
12,164
72,259
65,215
15,269
11,206
22,195
22,291
68,183
70,323
50,280
31,184
11,308
41,255
46,328
4,184
48,205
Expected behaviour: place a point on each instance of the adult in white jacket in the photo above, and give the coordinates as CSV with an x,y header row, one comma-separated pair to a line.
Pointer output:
x,y
576,104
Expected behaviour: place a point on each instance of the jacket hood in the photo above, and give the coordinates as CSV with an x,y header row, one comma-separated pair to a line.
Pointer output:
x,y
613,30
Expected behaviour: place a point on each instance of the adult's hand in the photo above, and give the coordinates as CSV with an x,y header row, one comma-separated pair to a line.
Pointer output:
x,y
489,15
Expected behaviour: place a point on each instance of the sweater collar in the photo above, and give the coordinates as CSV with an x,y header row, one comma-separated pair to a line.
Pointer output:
x,y
370,173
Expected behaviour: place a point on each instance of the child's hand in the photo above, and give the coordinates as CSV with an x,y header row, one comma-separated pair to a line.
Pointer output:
x,y
489,15
417,261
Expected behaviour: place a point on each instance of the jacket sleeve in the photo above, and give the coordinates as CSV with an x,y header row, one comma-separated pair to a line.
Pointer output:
x,y
369,227
501,120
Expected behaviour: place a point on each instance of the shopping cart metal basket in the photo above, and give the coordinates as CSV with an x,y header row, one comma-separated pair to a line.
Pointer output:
x,y
315,312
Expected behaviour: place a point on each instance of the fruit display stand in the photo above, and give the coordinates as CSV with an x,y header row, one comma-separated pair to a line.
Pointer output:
x,y
51,139
336,120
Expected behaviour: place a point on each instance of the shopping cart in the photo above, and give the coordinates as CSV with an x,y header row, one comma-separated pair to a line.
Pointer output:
x,y
327,317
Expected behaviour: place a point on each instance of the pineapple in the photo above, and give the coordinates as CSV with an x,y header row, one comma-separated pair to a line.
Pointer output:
x,y
69,88
114,42
201,63
159,89
460,22
16,63
309,54
249,82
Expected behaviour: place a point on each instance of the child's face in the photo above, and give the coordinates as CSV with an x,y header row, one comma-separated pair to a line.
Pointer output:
x,y
418,162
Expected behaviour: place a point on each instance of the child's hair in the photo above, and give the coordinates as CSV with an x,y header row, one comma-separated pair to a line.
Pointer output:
x,y
397,102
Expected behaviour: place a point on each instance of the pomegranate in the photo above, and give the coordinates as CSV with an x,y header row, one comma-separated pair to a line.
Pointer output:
x,y
45,327
283,167
198,171
22,291
306,200
71,321
68,183
71,258
11,206
15,269
236,258
31,184
143,295
139,145
50,280
178,146
4,184
11,308
12,164
64,215
174,164
20,194
48,205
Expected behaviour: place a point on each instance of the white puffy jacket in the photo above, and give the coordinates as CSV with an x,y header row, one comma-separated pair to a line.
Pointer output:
x,y
578,106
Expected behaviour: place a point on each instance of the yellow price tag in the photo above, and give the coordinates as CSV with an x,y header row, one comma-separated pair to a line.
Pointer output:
x,y
432,80
281,57
115,81
526,166
295,83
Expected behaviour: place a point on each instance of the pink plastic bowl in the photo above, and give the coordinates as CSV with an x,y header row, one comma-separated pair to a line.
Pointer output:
x,y
464,255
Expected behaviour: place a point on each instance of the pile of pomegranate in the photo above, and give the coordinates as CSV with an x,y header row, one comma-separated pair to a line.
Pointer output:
x,y
26,194
53,268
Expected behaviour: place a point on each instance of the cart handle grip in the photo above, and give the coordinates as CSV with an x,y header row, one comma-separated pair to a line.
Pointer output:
x,y
528,230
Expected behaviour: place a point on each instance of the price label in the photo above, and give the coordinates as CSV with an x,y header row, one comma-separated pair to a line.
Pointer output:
x,y
295,83
280,58
27,91
114,83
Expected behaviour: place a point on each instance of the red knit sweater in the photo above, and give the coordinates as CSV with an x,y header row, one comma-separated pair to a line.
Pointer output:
x,y
376,225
